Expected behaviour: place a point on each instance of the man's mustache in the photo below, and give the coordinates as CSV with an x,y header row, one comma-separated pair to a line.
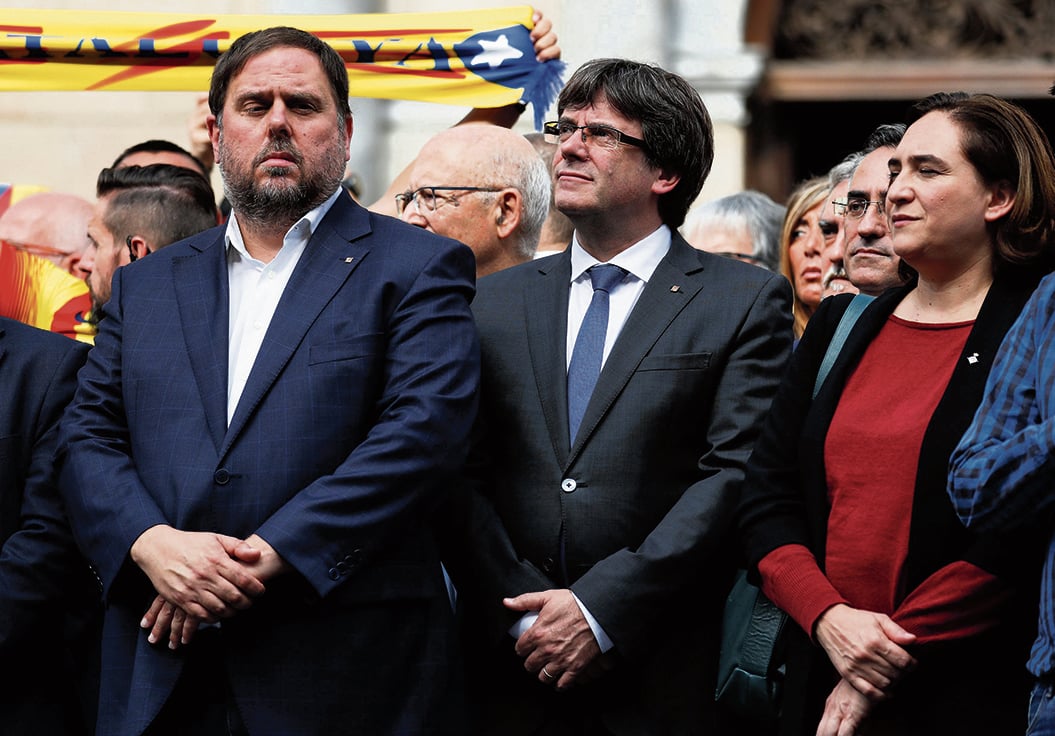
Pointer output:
x,y
834,272
281,146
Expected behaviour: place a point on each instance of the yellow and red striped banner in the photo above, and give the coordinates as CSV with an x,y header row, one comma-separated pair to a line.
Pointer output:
x,y
478,58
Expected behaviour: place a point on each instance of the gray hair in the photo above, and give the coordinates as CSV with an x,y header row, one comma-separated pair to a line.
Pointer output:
x,y
760,215
843,170
530,176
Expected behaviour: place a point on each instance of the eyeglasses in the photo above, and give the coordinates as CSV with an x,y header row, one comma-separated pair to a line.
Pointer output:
x,y
427,197
602,136
856,208
131,251
35,249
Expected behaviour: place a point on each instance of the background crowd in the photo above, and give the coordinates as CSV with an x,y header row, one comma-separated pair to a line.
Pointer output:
x,y
482,456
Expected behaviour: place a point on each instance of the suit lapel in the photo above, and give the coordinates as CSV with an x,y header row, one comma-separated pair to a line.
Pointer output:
x,y
200,281
674,284
328,260
546,306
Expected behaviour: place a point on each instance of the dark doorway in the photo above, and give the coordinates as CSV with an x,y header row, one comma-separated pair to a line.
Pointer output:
x,y
788,141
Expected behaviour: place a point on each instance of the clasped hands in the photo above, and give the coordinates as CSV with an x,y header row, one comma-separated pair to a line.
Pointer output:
x,y
200,577
868,651
559,647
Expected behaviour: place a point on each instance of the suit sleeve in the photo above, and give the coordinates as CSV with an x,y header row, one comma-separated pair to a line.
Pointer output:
x,y
428,403
626,590
108,505
40,559
477,549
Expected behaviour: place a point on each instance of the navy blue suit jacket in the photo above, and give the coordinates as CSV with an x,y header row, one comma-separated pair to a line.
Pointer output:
x,y
358,405
45,588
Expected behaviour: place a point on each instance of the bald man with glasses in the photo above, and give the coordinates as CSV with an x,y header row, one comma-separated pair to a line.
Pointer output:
x,y
483,185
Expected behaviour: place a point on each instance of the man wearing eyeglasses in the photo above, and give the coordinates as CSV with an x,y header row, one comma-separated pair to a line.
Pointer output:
x,y
483,185
49,225
871,263
832,223
623,383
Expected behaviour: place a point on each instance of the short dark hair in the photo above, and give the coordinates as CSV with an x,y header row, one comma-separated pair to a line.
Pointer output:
x,y
255,43
164,203
156,145
1003,143
887,135
675,124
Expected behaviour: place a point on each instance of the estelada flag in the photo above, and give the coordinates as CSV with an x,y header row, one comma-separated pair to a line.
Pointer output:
x,y
475,58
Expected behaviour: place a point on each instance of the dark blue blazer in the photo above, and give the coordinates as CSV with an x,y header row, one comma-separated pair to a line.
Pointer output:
x,y
358,405
45,588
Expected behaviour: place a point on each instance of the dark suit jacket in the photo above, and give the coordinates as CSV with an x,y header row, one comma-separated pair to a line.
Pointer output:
x,y
46,592
359,403
786,502
644,497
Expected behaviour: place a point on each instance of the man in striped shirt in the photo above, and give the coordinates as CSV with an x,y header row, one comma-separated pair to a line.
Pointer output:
x,y
1002,473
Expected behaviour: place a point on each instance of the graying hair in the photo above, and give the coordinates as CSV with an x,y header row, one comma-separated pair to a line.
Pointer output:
x,y
760,215
843,170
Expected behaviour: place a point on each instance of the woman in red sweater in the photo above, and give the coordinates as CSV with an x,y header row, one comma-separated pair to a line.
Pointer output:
x,y
909,623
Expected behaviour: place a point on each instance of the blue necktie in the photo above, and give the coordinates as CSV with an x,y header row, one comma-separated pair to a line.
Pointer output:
x,y
586,356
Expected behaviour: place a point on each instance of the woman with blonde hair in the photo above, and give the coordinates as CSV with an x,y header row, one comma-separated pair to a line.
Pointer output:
x,y
908,623
801,245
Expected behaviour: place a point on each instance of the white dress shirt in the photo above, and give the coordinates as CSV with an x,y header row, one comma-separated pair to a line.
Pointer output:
x,y
255,290
639,261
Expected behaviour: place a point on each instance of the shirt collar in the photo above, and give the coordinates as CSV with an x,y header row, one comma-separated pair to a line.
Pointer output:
x,y
640,259
302,229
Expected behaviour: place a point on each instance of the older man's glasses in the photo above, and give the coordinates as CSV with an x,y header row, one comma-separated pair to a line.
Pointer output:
x,y
36,249
431,199
600,136
856,208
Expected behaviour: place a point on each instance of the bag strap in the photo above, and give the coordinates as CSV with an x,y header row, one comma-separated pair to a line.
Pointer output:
x,y
842,331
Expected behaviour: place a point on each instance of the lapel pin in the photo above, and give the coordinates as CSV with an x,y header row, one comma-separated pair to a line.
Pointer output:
x,y
675,289
349,259
972,358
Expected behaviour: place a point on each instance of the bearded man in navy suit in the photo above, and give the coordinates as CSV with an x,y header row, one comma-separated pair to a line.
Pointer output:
x,y
258,440
590,535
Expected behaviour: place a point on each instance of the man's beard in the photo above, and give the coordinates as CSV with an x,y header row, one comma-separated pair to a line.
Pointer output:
x,y
271,203
97,304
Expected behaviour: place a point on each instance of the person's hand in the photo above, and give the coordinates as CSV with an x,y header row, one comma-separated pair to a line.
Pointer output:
x,y
544,38
197,571
198,132
260,558
844,711
866,648
559,646
169,623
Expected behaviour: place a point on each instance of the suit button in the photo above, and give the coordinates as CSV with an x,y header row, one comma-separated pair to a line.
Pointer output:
x,y
547,566
342,569
222,476
334,575
355,557
568,485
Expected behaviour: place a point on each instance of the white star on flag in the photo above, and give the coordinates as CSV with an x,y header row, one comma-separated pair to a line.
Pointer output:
x,y
495,53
